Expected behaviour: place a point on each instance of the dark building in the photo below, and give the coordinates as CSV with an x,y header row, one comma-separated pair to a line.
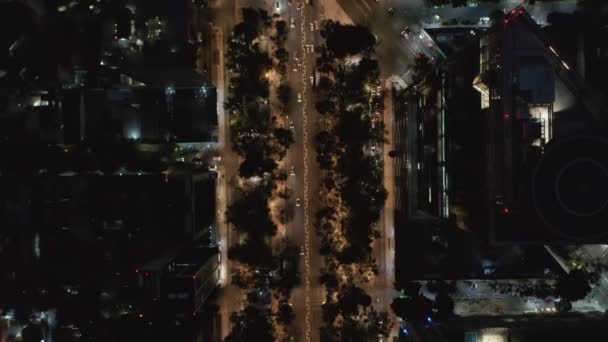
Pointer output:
x,y
546,143
158,111
453,166
92,234
128,219
440,177
172,14
183,280
180,282
501,173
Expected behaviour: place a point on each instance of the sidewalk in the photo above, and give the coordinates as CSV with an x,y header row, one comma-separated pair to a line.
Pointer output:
x,y
332,10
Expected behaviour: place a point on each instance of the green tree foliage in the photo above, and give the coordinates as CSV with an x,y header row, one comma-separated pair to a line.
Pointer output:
x,y
288,261
573,286
412,308
283,136
444,304
249,213
284,93
285,314
350,298
251,324
563,306
281,32
282,55
327,147
254,252
343,40
259,155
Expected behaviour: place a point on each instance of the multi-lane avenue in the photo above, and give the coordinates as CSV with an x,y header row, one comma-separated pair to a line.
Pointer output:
x,y
306,16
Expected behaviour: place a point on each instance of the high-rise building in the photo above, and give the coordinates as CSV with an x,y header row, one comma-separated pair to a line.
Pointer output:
x,y
546,166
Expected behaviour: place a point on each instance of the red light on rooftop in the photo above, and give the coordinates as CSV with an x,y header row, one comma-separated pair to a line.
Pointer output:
x,y
506,21
521,12
147,274
506,115
506,210
136,270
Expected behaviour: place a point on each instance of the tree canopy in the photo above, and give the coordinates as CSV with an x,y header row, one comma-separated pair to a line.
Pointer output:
x,y
573,286
250,213
343,40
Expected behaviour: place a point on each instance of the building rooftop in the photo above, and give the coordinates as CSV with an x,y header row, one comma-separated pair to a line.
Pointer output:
x,y
546,170
163,77
189,260
144,112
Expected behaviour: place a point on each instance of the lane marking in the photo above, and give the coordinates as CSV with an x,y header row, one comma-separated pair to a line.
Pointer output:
x,y
305,157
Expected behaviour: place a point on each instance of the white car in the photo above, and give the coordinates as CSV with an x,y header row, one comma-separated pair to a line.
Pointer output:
x,y
312,80
297,202
299,97
291,125
312,27
292,23
406,32
292,171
